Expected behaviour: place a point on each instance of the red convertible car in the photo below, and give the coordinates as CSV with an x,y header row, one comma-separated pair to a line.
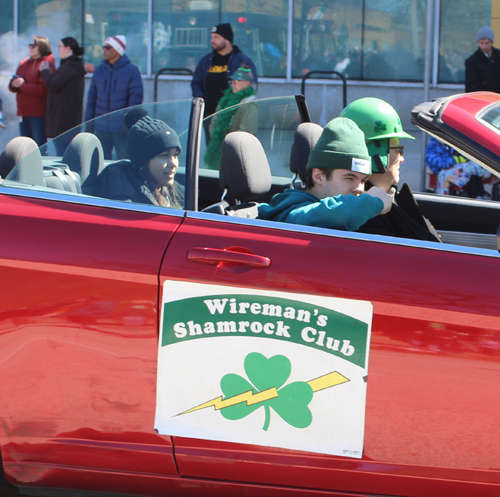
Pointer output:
x,y
154,351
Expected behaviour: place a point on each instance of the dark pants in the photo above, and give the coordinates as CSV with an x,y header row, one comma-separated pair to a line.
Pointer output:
x,y
33,127
109,140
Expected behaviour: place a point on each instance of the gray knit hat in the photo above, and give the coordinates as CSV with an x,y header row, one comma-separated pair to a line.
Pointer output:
x,y
486,33
341,146
148,138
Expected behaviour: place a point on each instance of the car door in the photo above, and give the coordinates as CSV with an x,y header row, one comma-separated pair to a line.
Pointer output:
x,y
432,374
78,338
78,334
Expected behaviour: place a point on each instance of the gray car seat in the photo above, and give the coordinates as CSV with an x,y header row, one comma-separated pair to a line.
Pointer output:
x,y
17,149
22,157
306,136
244,173
84,155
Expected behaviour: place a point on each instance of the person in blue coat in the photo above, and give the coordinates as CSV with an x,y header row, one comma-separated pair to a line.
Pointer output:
x,y
116,84
211,76
338,167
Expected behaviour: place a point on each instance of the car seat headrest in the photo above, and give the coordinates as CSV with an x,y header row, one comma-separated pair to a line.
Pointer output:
x,y
244,169
15,150
306,136
84,155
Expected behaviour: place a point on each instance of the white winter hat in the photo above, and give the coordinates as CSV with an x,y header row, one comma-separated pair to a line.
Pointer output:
x,y
119,43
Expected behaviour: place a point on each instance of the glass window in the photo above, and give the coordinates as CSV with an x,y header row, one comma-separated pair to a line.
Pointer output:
x,y
272,120
53,19
121,17
73,163
368,40
394,40
7,17
459,23
181,32
260,31
327,36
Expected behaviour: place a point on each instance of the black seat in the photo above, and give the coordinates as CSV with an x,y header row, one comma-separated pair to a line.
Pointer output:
x,y
306,136
244,174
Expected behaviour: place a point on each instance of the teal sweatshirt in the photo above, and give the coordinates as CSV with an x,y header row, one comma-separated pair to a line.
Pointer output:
x,y
344,212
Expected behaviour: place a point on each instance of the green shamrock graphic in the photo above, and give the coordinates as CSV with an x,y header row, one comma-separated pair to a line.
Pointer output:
x,y
292,400
380,126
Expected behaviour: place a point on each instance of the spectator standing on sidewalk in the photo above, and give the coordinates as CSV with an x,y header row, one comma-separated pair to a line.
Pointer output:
x,y
211,74
65,96
31,92
116,84
482,68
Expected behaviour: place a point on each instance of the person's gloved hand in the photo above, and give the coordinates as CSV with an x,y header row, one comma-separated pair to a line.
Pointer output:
x,y
375,191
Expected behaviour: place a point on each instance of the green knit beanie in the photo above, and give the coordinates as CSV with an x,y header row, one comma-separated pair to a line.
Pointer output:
x,y
341,146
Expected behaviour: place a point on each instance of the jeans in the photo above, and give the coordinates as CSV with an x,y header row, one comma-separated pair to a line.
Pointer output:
x,y
110,140
33,127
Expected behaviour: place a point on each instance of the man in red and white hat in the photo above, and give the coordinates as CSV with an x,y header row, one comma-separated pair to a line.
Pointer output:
x,y
116,84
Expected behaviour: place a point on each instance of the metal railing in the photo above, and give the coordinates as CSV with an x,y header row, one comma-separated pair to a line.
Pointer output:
x,y
340,75
171,70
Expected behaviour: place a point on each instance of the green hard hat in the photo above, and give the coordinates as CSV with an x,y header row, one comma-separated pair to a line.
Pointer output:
x,y
376,118
380,122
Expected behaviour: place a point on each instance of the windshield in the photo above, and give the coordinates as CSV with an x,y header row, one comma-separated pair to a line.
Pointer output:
x,y
104,158
492,116
272,120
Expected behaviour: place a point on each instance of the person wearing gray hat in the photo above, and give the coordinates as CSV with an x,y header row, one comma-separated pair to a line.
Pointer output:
x,y
148,177
482,68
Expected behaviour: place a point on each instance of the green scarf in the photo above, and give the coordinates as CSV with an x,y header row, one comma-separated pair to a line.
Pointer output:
x,y
223,122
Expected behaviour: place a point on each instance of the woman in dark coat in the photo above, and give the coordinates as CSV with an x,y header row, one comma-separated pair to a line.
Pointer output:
x,y
65,93
149,176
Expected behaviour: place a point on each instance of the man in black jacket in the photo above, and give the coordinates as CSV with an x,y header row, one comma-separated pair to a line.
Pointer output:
x,y
211,75
382,127
482,68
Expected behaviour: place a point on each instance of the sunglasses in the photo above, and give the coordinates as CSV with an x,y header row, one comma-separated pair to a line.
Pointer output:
x,y
32,45
107,47
401,150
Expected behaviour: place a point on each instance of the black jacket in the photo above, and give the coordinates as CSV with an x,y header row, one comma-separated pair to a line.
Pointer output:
x,y
482,73
123,181
65,96
404,220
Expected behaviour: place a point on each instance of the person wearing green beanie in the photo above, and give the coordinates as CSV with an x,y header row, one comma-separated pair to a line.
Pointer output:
x,y
382,128
339,166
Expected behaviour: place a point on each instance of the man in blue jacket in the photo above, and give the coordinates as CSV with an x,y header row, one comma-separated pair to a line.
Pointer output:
x,y
116,84
211,75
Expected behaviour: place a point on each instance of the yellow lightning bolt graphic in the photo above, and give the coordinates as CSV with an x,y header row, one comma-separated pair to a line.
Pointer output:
x,y
325,381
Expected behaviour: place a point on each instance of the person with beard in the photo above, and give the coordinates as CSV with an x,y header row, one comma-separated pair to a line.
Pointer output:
x,y
65,93
211,74
382,127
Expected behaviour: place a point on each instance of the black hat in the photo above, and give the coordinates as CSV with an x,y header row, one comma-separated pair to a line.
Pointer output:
x,y
133,115
148,138
225,30
71,42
